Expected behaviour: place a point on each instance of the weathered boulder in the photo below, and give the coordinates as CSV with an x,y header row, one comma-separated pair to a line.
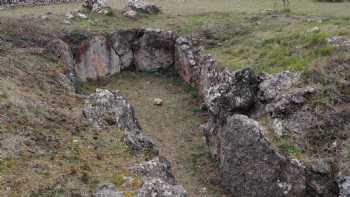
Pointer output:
x,y
154,49
105,108
344,186
122,43
97,6
187,61
197,70
339,42
160,188
89,4
250,165
272,85
320,178
209,77
96,60
142,6
107,190
223,92
235,92
287,102
158,167
284,102
138,141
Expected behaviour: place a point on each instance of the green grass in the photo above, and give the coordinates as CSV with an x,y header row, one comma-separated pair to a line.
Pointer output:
x,y
271,45
285,145
189,7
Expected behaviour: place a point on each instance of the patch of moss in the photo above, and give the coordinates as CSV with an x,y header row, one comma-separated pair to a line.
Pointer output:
x,y
119,179
6,165
136,183
286,145
129,194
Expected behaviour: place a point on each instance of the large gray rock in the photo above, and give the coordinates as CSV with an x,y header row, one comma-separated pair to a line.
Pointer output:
x,y
122,43
96,60
209,77
105,108
197,70
339,42
138,141
156,168
98,6
289,101
143,7
250,165
273,85
154,49
281,99
344,186
235,93
187,61
156,187
320,178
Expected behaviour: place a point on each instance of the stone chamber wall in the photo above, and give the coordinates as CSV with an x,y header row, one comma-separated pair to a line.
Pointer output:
x,y
249,163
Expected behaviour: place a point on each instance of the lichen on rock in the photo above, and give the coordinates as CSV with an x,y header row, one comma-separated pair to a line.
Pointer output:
x,y
105,108
154,49
158,167
143,7
251,166
158,187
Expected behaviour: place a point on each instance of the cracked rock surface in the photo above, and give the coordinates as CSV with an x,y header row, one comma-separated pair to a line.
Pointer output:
x,y
105,108
246,152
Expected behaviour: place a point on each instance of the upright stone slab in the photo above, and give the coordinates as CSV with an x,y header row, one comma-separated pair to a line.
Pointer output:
x,y
122,44
154,49
250,166
95,59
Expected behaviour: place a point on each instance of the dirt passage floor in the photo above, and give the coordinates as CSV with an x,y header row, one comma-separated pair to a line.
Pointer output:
x,y
174,126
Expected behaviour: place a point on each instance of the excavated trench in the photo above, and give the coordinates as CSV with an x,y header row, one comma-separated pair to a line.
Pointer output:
x,y
248,163
174,126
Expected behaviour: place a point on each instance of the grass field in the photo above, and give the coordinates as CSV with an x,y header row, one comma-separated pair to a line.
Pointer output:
x,y
189,7
236,32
